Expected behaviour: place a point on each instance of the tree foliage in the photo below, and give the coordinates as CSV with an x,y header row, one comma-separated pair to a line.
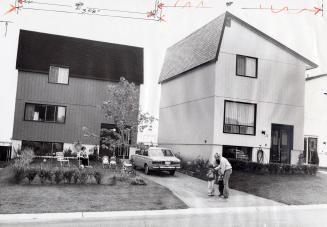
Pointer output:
x,y
122,108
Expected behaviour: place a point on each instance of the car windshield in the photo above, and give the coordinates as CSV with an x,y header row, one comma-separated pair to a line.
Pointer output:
x,y
161,153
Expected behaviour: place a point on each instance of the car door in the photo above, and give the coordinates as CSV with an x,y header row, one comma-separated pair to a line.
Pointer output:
x,y
136,158
144,157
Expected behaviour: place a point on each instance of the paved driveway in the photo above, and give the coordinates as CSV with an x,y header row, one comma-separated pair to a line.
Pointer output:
x,y
193,192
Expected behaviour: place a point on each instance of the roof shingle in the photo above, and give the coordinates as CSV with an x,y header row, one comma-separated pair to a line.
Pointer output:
x,y
202,46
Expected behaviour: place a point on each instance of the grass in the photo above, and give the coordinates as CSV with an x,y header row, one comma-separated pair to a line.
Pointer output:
x,y
38,198
288,189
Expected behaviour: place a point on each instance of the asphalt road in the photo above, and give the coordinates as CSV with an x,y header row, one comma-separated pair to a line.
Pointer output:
x,y
246,216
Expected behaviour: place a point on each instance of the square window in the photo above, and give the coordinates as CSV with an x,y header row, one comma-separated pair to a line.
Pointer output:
x,y
239,118
246,66
58,75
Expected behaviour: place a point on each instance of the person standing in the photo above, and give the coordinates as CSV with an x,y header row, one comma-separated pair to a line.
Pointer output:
x,y
211,180
226,169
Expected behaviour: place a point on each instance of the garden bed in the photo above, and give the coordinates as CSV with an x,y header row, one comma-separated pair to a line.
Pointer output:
x,y
64,197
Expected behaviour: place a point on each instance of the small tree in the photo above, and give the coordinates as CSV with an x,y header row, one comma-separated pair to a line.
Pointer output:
x,y
122,107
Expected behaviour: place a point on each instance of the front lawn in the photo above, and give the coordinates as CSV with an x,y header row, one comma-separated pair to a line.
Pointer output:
x,y
289,189
41,198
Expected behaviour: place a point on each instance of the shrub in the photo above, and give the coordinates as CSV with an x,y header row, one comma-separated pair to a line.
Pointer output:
x,y
98,177
44,175
58,175
68,175
68,153
94,156
113,180
315,158
84,175
123,177
24,159
272,168
30,174
137,181
19,174
76,176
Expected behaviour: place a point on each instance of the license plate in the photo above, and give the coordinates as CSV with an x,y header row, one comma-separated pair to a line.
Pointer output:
x,y
167,163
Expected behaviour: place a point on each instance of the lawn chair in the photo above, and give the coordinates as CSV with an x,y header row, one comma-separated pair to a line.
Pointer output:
x,y
105,161
60,158
113,163
128,168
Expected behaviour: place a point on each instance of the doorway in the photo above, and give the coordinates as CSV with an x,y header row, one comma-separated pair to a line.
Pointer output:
x,y
310,148
281,143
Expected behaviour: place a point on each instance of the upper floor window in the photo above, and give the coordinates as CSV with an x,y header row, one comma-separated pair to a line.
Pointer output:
x,y
246,66
240,118
58,75
45,113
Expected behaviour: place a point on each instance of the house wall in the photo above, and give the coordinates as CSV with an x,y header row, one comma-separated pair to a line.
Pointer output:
x,y
187,112
315,114
81,97
278,91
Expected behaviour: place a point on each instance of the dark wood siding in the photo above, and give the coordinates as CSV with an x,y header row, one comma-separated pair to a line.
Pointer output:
x,y
84,58
82,97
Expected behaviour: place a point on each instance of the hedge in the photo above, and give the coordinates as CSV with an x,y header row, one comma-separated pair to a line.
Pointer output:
x,y
273,168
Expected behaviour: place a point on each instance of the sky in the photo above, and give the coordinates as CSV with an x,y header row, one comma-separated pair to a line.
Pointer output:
x,y
300,29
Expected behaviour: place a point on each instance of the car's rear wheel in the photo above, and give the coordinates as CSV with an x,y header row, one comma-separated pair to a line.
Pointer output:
x,y
146,169
172,172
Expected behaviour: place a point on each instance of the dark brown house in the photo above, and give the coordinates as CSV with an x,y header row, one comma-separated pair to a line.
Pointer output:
x,y
61,82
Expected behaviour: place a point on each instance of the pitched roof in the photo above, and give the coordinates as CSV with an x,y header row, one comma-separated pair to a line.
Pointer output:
x,y
85,58
315,77
203,45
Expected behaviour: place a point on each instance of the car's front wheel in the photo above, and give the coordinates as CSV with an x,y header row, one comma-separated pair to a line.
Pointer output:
x,y
172,172
146,169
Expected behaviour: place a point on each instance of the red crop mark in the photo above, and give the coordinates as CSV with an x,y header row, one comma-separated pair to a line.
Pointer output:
x,y
150,14
13,8
201,4
160,5
315,10
161,18
278,10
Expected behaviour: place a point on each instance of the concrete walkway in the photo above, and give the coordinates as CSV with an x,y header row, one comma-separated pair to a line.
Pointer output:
x,y
193,192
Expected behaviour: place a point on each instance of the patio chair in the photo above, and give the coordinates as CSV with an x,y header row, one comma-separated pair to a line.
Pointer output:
x,y
60,158
105,161
113,163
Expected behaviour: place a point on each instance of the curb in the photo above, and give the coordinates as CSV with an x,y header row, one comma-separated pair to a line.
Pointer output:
x,y
43,217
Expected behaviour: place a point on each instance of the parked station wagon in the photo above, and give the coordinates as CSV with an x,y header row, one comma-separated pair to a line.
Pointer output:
x,y
156,159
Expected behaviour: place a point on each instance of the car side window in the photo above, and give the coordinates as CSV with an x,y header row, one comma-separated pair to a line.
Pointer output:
x,y
138,152
145,152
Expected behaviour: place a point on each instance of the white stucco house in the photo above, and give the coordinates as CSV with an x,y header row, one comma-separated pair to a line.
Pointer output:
x,y
315,127
230,88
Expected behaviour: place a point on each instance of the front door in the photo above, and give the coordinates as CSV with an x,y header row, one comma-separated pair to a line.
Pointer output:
x,y
281,143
